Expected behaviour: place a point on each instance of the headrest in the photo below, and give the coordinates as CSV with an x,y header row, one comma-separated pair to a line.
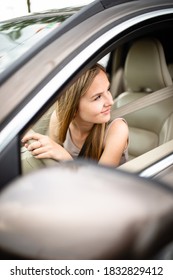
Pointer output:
x,y
145,67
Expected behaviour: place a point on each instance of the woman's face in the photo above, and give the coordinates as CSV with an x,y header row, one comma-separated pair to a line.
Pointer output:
x,y
95,105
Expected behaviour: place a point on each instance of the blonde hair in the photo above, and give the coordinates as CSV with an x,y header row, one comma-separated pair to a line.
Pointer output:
x,y
67,107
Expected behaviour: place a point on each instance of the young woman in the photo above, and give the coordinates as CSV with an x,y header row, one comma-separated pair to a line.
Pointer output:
x,y
80,124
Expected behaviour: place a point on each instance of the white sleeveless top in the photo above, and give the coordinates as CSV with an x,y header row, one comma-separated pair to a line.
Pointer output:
x,y
74,151
70,146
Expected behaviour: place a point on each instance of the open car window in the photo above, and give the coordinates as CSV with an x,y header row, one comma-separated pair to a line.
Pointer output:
x,y
147,154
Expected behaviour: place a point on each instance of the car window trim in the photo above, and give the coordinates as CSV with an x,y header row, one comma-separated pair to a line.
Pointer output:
x,y
156,168
146,164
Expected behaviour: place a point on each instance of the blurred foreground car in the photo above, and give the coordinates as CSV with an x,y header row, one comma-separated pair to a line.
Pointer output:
x,y
52,212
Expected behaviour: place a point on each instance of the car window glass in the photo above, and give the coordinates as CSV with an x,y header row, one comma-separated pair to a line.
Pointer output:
x,y
18,36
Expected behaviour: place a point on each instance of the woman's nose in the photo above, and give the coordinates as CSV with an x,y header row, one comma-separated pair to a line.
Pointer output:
x,y
109,100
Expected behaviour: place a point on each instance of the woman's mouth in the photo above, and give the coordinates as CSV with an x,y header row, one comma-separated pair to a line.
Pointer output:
x,y
106,111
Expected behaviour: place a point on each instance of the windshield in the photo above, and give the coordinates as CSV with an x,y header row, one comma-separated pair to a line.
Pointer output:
x,y
19,35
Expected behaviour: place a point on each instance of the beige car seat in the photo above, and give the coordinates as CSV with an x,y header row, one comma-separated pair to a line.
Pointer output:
x,y
170,68
42,125
145,72
117,76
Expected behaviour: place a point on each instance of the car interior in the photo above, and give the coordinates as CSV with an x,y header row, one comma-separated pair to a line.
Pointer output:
x,y
146,71
136,69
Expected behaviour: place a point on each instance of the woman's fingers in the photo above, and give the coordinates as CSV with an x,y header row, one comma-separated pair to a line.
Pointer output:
x,y
34,145
41,146
38,151
32,136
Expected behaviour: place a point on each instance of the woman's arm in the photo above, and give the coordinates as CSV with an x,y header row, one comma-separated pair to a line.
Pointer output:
x,y
42,146
115,143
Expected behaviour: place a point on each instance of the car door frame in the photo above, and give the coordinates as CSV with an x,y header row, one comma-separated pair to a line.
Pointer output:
x,y
41,84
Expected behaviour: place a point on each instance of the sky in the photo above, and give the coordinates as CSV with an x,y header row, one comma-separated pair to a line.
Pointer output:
x,y
13,8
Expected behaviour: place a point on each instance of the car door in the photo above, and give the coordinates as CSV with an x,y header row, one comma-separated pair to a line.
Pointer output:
x,y
33,83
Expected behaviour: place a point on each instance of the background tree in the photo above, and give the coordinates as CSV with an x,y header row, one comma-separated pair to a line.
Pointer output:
x,y
29,6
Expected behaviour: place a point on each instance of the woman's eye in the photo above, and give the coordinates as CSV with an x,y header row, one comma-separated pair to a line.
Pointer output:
x,y
97,97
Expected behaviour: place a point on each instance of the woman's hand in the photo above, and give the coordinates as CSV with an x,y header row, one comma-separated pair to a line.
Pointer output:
x,y
42,146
